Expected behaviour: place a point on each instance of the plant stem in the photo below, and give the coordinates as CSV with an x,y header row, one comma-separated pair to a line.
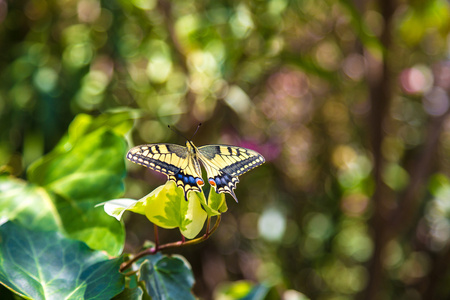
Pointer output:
x,y
154,250
155,229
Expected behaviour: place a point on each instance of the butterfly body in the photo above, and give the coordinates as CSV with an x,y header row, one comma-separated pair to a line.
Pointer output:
x,y
223,164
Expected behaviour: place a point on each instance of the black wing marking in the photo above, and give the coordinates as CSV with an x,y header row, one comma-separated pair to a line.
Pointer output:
x,y
224,164
172,160
164,158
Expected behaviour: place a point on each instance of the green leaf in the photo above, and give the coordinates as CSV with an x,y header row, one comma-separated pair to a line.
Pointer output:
x,y
29,204
130,294
118,123
95,163
167,277
116,207
242,290
46,265
216,203
87,168
167,208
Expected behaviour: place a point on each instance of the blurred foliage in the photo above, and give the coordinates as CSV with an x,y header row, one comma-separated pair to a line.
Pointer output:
x,y
347,100
46,265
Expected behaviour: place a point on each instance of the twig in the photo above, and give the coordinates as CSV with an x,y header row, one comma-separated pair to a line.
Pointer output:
x,y
155,229
150,251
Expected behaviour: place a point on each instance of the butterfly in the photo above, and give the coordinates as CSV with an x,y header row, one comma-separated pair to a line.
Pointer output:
x,y
223,164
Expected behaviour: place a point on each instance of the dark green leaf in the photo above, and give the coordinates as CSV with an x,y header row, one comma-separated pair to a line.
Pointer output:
x,y
130,294
167,277
46,265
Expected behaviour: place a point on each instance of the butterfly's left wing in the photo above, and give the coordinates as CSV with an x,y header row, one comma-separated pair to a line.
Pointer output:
x,y
224,164
172,160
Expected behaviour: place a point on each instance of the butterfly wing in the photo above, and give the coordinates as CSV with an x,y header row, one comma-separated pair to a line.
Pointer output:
x,y
175,161
224,164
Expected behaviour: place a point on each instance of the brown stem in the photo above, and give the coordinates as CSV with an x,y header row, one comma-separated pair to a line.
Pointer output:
x,y
154,250
155,229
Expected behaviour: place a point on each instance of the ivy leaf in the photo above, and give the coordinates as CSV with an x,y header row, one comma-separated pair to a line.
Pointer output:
x,y
167,277
169,209
116,207
86,168
29,204
166,207
130,294
242,290
216,204
217,201
46,265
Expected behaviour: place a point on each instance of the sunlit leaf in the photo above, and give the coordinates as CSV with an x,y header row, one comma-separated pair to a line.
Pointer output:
x,y
29,204
242,290
115,208
216,203
87,168
167,277
168,209
46,265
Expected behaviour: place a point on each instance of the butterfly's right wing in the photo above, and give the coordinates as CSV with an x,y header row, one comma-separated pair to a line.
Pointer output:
x,y
172,160
225,163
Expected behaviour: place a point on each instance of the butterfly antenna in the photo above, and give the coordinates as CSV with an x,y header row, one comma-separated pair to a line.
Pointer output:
x,y
198,126
177,132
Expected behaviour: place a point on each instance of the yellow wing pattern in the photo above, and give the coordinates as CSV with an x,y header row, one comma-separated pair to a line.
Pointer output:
x,y
173,160
223,164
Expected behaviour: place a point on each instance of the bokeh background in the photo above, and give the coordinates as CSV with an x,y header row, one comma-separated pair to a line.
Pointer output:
x,y
347,100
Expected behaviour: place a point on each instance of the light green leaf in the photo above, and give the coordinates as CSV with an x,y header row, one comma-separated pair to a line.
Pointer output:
x,y
242,290
46,265
216,203
167,277
118,123
87,168
115,208
167,208
29,204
